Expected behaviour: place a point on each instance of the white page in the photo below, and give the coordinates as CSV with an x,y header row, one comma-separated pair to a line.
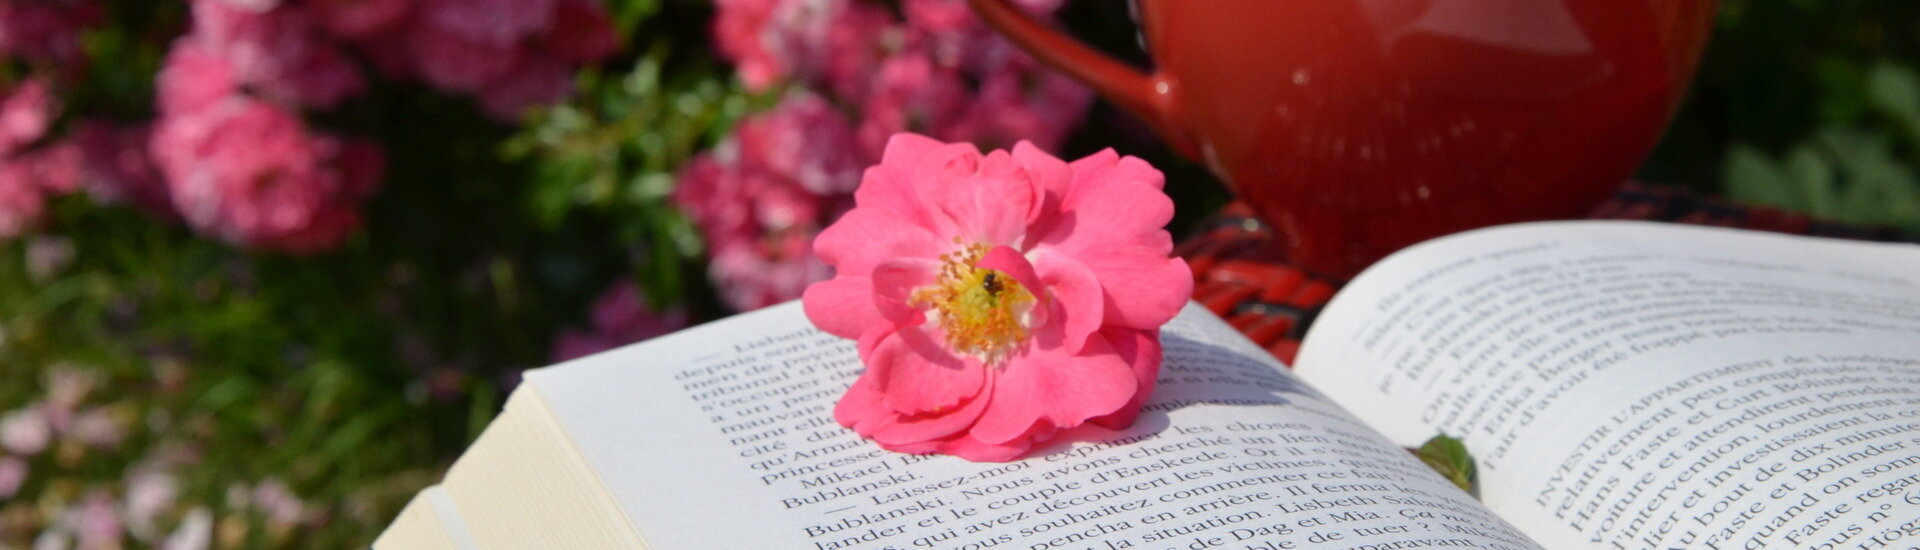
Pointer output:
x,y
1638,385
722,437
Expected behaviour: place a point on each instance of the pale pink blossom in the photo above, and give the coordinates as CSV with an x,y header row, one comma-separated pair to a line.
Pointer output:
x,y
278,503
46,257
97,427
194,533
13,474
998,298
68,385
622,315
150,493
25,431
95,523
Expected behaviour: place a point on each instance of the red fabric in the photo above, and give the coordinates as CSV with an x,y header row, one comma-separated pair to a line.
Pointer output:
x,y
1240,276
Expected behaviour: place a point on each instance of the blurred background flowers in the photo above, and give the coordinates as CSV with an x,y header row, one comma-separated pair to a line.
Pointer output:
x,y
266,266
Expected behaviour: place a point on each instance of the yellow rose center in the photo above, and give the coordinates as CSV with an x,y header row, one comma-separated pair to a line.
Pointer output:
x,y
981,310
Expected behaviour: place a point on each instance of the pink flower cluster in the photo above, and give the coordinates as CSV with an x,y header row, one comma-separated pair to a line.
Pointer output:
x,y
855,73
240,163
31,168
510,54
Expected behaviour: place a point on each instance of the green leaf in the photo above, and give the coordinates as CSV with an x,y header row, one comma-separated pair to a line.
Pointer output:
x,y
1754,177
1814,178
1843,89
1881,189
1895,92
1448,456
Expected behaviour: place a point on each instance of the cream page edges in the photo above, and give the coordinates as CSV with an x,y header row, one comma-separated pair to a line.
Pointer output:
x,y
524,484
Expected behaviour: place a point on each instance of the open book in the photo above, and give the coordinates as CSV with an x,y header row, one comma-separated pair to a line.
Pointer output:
x,y
1622,384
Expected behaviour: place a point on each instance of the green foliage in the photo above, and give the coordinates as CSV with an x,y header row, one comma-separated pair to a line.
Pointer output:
x,y
1448,456
352,376
1809,106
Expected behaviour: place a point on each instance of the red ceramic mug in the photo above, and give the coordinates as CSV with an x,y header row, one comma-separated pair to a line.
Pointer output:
x,y
1358,127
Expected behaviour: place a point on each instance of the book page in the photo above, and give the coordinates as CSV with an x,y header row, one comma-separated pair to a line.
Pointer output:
x,y
1638,385
723,437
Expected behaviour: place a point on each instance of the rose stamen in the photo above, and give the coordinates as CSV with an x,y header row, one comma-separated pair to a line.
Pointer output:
x,y
981,310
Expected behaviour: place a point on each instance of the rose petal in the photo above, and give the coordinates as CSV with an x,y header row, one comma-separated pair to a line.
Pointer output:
x,y
991,204
973,449
864,410
1078,306
1143,290
842,306
906,177
1063,390
1051,176
864,237
920,376
893,284
1141,349
1111,208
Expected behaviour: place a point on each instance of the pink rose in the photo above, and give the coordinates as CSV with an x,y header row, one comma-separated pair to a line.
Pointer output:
x,y
760,196
250,172
279,51
737,33
833,44
192,77
807,140
998,298
910,94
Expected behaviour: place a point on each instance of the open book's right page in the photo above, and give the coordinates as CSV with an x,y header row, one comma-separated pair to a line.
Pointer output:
x,y
1639,385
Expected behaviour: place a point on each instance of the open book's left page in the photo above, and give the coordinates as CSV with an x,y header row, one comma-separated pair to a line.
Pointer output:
x,y
723,437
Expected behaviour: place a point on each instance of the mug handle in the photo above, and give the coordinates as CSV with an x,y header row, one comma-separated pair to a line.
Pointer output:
x,y
1148,96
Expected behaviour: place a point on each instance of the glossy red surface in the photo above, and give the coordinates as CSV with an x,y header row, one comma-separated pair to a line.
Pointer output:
x,y
1358,127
